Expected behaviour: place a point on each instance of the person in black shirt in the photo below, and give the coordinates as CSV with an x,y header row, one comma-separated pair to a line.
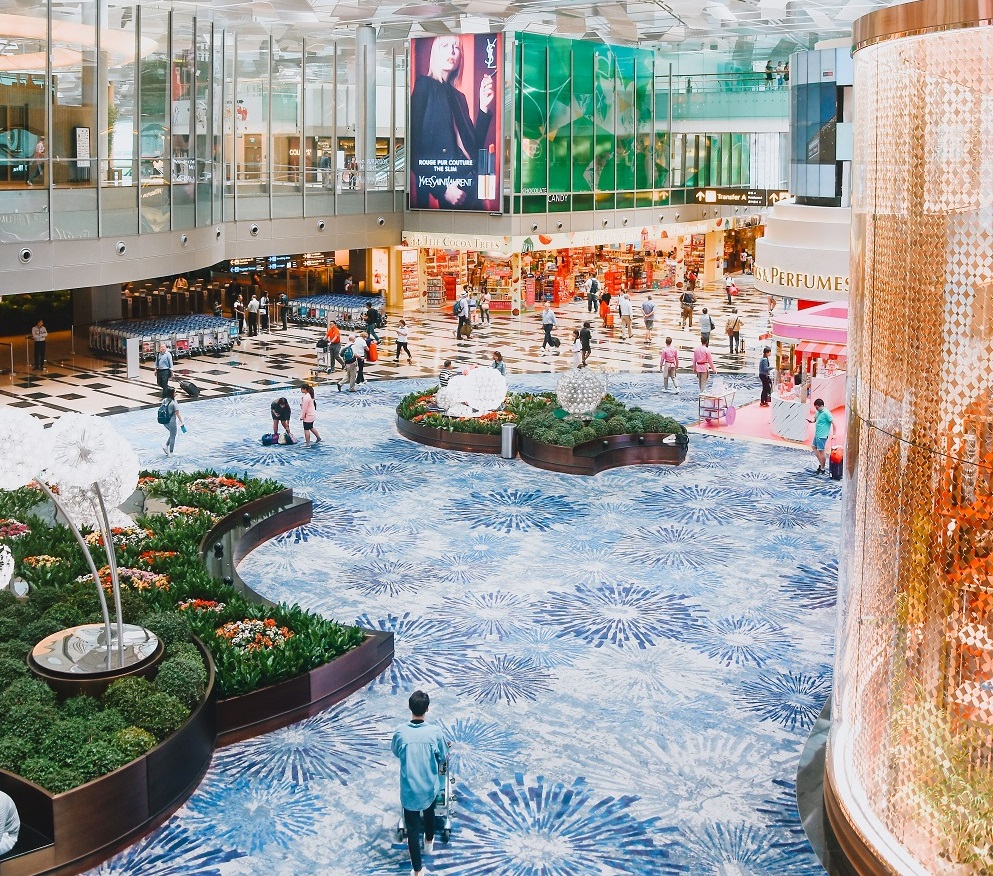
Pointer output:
x,y
371,321
281,413
585,342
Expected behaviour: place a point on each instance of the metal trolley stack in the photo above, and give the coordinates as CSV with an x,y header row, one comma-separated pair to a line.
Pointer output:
x,y
184,336
345,311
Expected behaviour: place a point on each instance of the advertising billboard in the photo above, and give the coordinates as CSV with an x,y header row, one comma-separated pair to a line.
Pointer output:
x,y
455,122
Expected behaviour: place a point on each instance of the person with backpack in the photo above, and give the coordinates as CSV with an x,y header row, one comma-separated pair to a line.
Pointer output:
x,y
687,301
163,368
462,310
371,322
170,417
350,356
732,329
592,294
648,314
706,325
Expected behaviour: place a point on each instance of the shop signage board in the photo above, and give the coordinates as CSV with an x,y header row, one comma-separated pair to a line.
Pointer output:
x,y
738,197
455,132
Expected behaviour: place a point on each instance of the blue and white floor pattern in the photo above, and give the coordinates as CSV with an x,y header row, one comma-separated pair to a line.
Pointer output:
x,y
627,666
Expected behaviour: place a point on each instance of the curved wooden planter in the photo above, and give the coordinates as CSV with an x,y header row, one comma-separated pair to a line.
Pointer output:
x,y
67,833
88,824
600,454
467,442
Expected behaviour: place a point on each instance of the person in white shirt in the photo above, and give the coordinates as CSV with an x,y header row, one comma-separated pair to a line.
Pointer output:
x,y
353,362
361,349
264,312
548,322
403,336
484,308
577,349
10,824
253,316
624,308
163,368
39,335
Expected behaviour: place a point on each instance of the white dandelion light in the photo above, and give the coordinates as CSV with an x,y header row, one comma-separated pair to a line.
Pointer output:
x,y
22,448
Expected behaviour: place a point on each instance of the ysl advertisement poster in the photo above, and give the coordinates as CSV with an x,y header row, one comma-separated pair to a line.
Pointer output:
x,y
455,122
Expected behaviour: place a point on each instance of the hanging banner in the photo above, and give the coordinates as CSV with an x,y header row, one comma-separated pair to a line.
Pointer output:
x,y
455,122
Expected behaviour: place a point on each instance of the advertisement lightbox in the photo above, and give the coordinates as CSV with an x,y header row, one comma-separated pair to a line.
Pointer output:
x,y
455,122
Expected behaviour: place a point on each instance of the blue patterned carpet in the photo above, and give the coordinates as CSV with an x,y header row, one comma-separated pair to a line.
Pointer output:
x,y
627,665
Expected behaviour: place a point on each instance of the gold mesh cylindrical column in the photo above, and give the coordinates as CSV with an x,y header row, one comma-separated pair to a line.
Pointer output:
x,y
910,757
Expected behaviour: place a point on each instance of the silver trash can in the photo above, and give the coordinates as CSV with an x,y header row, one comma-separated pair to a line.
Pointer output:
x,y
508,440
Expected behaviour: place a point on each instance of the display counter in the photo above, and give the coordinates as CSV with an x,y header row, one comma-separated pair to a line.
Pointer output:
x,y
789,418
831,389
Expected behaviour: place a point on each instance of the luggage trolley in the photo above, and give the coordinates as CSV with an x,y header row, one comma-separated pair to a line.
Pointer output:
x,y
444,807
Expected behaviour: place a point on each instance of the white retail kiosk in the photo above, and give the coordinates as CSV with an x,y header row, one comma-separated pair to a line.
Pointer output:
x,y
819,337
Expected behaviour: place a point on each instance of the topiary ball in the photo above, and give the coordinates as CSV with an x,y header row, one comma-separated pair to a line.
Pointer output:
x,y
133,742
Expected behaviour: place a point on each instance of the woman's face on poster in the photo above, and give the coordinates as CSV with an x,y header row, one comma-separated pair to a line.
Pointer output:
x,y
446,57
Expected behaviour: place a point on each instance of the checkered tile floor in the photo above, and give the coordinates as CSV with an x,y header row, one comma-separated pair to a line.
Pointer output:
x,y
76,381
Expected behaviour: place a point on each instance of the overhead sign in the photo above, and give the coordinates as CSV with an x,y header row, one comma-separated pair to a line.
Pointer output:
x,y
738,197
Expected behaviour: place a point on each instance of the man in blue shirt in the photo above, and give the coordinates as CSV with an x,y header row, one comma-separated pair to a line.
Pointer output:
x,y
423,756
823,429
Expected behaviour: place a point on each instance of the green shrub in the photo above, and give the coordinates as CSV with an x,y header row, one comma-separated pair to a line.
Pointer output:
x,y
79,707
15,649
128,696
599,428
13,752
183,649
616,426
62,740
98,758
133,742
29,721
9,629
567,440
26,691
163,715
11,670
41,628
50,776
171,627
176,677
106,722
585,434
66,615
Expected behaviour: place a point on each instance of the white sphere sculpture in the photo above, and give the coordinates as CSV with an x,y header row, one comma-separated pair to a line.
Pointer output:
x,y
581,390
478,392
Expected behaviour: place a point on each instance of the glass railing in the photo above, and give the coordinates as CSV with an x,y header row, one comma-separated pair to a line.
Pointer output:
x,y
725,96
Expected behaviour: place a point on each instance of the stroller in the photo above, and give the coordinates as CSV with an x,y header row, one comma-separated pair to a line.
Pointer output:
x,y
443,809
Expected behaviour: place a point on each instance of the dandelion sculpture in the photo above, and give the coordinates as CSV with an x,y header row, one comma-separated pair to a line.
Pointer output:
x,y
581,390
94,470
477,392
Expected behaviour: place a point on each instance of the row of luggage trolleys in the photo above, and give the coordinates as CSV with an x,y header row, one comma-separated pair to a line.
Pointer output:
x,y
182,342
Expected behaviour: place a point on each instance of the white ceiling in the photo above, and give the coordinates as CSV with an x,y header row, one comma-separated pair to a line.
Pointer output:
x,y
763,23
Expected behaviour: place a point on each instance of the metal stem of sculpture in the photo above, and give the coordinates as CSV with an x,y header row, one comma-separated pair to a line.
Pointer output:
x,y
89,561
108,542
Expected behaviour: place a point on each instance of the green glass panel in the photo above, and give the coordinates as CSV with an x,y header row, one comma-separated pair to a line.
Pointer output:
x,y
625,200
532,91
533,204
624,117
560,110
604,167
582,202
583,125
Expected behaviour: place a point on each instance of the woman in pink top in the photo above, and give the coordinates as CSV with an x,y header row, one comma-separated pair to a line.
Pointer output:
x,y
308,413
703,364
668,363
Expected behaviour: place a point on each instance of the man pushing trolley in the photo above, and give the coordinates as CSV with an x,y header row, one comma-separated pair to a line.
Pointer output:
x,y
425,785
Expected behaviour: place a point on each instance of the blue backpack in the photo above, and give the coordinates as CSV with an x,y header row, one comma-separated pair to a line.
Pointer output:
x,y
164,415
348,355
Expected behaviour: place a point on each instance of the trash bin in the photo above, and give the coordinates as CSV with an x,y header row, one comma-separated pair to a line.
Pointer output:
x,y
836,462
508,440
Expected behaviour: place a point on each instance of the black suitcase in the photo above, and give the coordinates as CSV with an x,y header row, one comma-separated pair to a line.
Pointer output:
x,y
836,469
190,388
556,342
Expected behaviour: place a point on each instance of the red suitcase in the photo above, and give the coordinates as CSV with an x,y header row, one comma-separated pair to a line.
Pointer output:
x,y
373,353
608,320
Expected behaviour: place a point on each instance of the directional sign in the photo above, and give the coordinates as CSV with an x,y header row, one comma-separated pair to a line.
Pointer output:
x,y
738,197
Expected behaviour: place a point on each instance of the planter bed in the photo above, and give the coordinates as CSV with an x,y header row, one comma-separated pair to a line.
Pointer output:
x,y
600,454
93,821
466,442
68,832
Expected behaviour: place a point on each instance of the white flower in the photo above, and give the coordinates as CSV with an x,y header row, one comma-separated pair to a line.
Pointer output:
x,y
23,442
6,566
83,450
